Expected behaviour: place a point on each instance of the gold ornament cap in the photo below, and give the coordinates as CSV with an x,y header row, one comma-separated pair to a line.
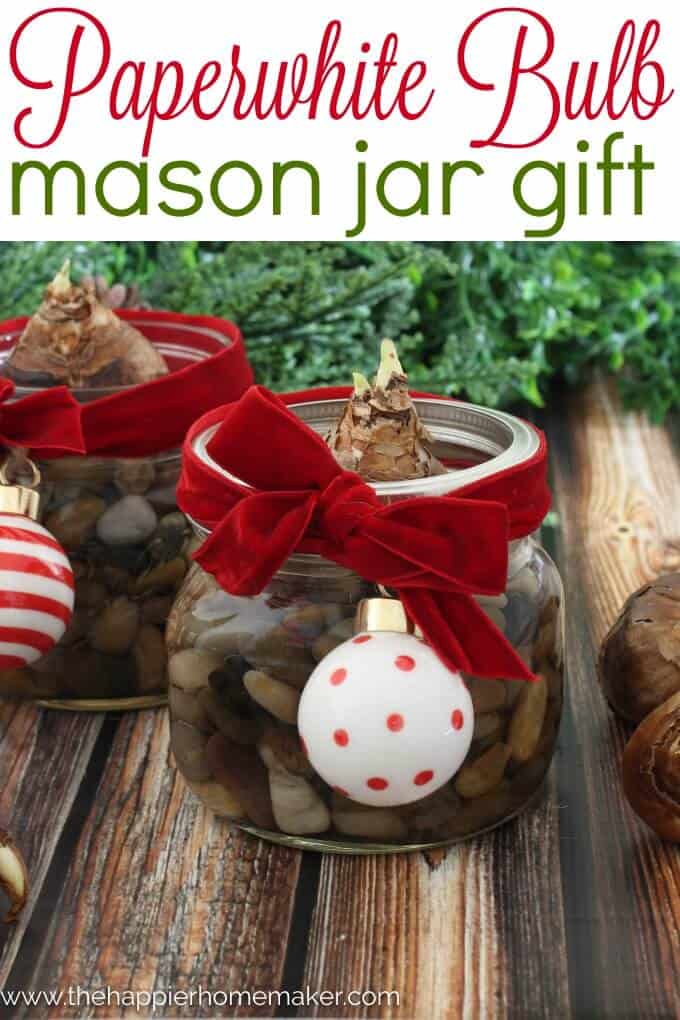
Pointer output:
x,y
20,499
382,614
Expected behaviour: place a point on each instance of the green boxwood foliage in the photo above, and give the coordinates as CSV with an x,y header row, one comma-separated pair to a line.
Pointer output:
x,y
495,322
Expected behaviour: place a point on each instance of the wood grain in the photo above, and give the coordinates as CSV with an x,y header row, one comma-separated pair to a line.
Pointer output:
x,y
160,894
453,938
616,481
43,757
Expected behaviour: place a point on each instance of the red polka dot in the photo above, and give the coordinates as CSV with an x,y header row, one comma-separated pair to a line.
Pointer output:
x,y
338,677
303,745
339,789
395,722
457,719
423,777
341,738
405,662
377,783
362,639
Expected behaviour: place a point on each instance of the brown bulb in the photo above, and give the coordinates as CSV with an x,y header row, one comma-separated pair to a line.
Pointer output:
x,y
379,434
651,770
640,658
75,340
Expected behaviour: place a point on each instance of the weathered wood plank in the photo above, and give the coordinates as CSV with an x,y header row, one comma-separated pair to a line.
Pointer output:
x,y
615,477
43,756
479,934
160,894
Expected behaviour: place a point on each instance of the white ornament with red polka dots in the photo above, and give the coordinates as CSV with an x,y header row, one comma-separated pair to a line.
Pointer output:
x,y
383,721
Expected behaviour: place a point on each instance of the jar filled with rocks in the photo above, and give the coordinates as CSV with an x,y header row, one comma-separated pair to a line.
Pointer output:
x,y
116,515
288,716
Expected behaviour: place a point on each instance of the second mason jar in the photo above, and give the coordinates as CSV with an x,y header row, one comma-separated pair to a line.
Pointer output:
x,y
237,667
117,519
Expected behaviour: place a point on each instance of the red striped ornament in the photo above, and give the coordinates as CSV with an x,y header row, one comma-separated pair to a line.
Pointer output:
x,y
36,591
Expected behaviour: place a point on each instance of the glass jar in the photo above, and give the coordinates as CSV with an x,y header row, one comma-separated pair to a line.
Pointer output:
x,y
129,548
237,667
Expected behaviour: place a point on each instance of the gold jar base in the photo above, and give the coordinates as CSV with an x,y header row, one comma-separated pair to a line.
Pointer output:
x,y
354,849
104,704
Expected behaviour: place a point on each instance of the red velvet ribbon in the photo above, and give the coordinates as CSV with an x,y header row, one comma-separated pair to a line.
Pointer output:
x,y
155,416
142,420
436,552
47,422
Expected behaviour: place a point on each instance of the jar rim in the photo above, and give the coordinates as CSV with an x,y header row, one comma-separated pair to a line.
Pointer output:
x,y
509,441
208,336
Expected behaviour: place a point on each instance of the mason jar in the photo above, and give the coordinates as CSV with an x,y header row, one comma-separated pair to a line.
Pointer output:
x,y
237,667
128,544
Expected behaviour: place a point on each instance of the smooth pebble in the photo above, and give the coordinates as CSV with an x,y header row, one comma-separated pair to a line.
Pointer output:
x,y
298,809
132,519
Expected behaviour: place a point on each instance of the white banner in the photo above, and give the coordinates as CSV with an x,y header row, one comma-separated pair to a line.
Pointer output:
x,y
373,120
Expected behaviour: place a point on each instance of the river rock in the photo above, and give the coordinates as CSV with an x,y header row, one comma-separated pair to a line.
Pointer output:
x,y
77,629
216,798
79,470
186,707
484,774
161,577
298,809
276,697
129,521
338,633
525,581
228,638
489,727
427,817
163,497
307,622
240,771
90,594
17,683
190,670
189,749
134,476
116,579
216,606
527,720
521,617
73,523
168,539
239,728
228,683
115,628
148,652
275,653
370,823
280,747
157,609
487,695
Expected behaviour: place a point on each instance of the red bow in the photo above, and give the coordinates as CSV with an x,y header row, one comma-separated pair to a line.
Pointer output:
x,y
141,420
435,552
48,421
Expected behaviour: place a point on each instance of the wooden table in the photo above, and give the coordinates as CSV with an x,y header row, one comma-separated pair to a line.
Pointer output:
x,y
571,911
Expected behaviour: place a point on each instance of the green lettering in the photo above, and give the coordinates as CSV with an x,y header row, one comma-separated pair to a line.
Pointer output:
x,y
557,204
140,172
279,172
184,189
236,164
49,173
